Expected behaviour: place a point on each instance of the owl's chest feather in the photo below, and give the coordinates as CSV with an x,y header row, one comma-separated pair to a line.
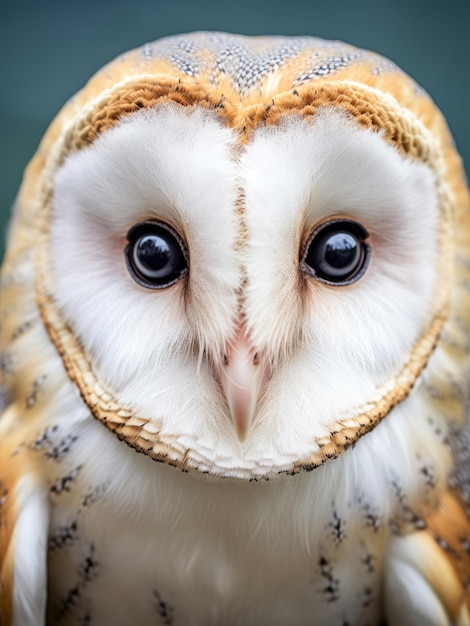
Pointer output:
x,y
132,541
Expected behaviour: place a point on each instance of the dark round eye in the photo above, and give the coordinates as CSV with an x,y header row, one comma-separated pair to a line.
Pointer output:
x,y
337,253
156,256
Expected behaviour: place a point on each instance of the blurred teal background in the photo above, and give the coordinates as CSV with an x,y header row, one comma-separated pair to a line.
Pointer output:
x,y
48,49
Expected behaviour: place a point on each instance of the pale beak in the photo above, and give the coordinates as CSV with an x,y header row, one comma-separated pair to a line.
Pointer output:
x,y
242,376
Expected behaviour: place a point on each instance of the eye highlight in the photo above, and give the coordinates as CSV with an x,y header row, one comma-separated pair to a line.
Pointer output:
x,y
337,253
156,256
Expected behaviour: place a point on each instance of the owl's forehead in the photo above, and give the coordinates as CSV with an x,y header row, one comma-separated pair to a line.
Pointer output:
x,y
247,61
246,68
249,81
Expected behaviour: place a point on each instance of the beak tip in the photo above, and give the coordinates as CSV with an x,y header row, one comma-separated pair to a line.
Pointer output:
x,y
241,436
242,431
241,418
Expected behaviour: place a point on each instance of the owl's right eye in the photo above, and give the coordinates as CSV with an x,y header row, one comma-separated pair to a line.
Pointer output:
x,y
156,256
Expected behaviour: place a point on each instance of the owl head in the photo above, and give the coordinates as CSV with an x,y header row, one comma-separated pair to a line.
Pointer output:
x,y
246,252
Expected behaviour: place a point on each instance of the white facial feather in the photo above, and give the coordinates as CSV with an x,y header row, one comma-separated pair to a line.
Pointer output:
x,y
331,347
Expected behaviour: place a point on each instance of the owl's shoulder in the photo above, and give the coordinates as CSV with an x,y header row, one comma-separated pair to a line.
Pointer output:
x,y
428,571
24,520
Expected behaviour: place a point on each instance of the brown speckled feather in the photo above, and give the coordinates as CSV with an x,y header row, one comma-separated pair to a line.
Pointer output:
x,y
449,527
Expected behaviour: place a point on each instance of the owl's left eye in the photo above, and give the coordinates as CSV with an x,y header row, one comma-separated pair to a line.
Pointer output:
x,y
337,253
156,256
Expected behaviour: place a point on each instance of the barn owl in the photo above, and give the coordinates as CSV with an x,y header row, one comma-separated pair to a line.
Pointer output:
x,y
235,347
